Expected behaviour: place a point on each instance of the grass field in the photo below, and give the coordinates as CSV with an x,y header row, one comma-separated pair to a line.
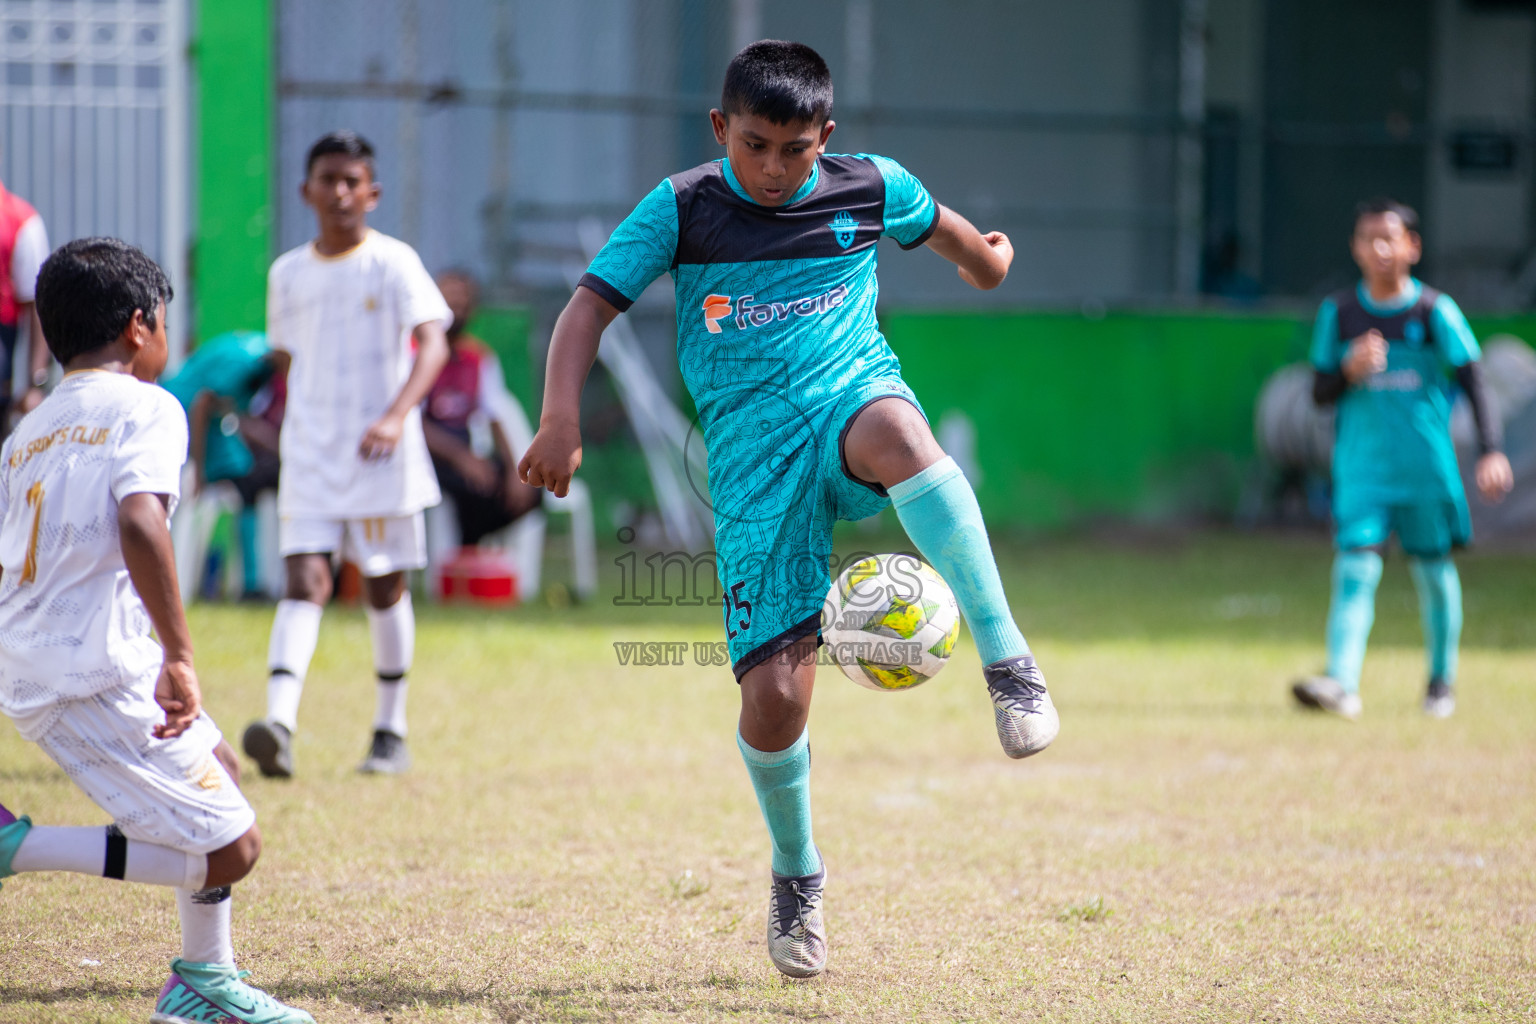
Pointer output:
x,y
578,840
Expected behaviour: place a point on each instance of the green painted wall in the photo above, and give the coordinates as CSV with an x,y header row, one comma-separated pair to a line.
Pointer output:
x,y
1129,415
233,65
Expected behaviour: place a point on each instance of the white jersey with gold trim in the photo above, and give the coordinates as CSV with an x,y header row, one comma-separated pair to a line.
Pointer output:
x,y
347,322
71,624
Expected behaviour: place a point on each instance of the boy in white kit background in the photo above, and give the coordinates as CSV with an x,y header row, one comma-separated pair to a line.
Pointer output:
x,y
345,311
87,484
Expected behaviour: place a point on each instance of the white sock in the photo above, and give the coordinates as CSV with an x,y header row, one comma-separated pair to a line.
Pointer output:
x,y
295,632
393,630
204,914
92,850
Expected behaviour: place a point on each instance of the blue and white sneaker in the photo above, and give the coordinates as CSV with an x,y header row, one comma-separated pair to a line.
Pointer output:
x,y
797,935
218,994
12,831
1026,719
1325,693
1439,699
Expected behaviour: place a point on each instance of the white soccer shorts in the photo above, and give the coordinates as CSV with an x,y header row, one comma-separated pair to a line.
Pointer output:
x,y
171,792
377,546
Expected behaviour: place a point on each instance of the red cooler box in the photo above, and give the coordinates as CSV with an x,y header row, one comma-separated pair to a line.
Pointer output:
x,y
481,576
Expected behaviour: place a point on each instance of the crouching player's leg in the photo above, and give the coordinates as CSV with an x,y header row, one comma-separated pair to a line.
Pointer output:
x,y
888,443
182,822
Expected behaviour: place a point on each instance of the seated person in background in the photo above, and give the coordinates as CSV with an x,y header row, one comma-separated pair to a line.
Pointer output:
x,y
227,387
487,495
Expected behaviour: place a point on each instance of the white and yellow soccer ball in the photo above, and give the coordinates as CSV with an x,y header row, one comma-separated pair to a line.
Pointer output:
x,y
890,622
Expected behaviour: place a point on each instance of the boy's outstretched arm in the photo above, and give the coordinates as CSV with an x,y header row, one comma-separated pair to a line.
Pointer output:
x,y
151,562
380,439
982,259
554,454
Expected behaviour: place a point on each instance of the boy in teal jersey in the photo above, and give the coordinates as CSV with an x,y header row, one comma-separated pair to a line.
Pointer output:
x,y
804,415
1381,352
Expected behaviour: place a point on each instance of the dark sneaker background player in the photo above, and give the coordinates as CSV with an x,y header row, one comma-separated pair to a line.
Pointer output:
x,y
804,414
1382,350
87,483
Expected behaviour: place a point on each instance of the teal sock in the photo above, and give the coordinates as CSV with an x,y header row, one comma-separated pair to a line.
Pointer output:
x,y
246,524
782,779
1351,614
1439,587
938,510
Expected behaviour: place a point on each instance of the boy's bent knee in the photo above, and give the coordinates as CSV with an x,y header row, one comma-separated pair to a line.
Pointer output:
x,y
229,864
385,591
309,578
889,441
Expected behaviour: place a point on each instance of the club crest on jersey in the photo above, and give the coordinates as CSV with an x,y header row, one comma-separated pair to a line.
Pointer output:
x,y
716,308
843,227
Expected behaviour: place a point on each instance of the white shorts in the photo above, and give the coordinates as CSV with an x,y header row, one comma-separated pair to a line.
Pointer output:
x,y
168,792
377,546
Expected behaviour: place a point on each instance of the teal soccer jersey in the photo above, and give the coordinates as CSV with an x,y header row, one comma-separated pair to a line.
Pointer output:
x,y
778,345
1393,449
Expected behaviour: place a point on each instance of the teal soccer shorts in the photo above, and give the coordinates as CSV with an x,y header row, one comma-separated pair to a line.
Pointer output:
x,y
777,487
1425,530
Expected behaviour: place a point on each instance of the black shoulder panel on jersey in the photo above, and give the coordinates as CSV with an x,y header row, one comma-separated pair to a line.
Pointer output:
x,y
1355,319
843,215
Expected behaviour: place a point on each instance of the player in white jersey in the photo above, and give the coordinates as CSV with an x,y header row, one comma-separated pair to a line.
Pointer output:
x,y
346,310
87,484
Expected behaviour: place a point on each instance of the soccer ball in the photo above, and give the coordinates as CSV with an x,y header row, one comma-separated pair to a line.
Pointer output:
x,y
890,622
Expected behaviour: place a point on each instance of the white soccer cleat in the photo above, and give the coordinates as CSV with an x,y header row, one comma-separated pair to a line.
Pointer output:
x,y
1026,719
1439,699
1327,694
797,936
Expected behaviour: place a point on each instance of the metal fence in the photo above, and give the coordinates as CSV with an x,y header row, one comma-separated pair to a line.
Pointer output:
x,y
93,121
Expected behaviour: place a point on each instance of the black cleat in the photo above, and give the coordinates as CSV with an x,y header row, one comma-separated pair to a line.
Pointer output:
x,y
270,745
386,755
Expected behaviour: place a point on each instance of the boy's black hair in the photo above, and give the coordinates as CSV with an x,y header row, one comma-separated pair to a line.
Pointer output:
x,y
1383,204
344,141
786,83
87,292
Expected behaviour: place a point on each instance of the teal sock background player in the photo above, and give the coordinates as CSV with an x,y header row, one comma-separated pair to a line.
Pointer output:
x,y
805,417
1382,351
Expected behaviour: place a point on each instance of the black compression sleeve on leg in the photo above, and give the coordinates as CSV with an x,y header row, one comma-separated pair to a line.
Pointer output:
x,y
1490,431
116,862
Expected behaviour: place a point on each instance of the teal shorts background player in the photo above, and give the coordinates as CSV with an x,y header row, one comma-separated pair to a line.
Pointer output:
x,y
1385,351
805,417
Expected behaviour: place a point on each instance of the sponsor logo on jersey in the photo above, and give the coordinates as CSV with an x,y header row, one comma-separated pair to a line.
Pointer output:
x,y
716,308
751,313
1394,380
843,226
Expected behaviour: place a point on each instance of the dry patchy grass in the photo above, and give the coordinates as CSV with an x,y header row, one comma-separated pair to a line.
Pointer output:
x,y
578,841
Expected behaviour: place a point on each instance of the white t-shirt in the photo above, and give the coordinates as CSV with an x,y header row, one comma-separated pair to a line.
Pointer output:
x,y
71,623
347,321
27,257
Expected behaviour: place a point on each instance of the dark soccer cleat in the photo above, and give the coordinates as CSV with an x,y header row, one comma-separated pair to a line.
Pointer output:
x,y
797,936
218,994
1026,719
1326,693
1439,699
270,745
386,755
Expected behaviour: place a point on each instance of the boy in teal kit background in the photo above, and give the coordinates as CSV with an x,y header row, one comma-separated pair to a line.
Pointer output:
x,y
1381,351
805,417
